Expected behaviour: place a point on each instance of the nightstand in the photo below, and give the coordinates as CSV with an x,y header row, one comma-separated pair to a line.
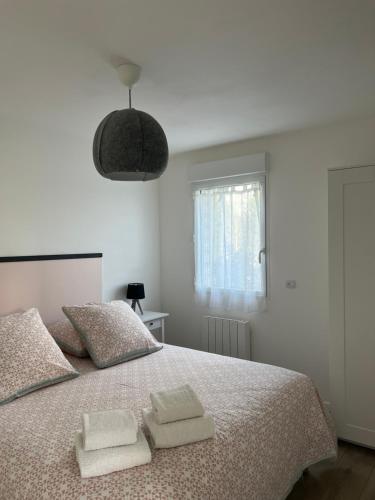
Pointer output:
x,y
154,320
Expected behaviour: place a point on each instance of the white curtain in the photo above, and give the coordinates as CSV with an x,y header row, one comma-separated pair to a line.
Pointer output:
x,y
229,235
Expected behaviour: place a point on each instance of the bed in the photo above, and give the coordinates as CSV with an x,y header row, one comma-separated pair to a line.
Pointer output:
x,y
270,426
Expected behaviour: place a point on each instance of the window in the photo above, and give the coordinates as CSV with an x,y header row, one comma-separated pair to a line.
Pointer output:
x,y
229,241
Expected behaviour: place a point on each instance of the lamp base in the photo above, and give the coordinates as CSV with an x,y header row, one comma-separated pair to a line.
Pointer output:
x,y
135,303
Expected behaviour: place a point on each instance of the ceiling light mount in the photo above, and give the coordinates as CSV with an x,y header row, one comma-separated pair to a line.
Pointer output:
x,y
129,74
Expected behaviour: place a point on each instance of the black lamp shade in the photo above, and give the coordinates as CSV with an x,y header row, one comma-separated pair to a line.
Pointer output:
x,y
130,145
135,291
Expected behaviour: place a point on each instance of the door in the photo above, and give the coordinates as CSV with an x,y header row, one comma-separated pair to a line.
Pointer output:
x,y
352,302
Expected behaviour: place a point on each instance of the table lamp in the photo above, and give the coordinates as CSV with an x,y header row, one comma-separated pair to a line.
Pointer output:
x,y
135,292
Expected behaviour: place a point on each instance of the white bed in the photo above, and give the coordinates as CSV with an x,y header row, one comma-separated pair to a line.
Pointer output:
x,y
270,424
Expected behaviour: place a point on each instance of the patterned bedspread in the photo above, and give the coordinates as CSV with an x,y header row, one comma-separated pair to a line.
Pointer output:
x,y
269,427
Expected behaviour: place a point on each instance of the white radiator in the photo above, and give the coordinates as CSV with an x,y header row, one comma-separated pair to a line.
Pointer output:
x,y
230,337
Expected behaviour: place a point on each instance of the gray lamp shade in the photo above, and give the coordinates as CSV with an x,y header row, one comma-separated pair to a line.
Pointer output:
x,y
135,291
130,145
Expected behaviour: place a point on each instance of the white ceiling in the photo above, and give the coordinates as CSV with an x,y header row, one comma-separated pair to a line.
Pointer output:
x,y
213,70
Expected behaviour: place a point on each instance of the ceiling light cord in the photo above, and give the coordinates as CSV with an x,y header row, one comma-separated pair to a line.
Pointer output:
x,y
130,98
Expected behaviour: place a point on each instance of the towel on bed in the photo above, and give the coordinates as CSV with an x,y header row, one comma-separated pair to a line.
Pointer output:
x,y
107,460
102,429
180,432
176,404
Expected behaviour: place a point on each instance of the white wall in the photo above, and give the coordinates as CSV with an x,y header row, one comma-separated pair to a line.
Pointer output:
x,y
52,200
293,332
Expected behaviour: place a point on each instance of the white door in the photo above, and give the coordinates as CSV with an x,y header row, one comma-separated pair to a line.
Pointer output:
x,y
352,302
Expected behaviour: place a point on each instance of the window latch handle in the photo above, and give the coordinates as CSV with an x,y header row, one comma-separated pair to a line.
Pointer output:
x,y
262,250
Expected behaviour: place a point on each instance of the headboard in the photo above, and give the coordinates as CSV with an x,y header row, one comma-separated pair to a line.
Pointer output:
x,y
49,282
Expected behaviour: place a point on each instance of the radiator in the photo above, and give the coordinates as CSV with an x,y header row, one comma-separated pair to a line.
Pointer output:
x,y
230,337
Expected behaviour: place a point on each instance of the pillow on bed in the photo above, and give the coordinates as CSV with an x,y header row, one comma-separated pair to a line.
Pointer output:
x,y
67,338
112,332
29,357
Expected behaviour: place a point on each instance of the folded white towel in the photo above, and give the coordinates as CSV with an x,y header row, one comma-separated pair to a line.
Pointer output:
x,y
176,404
102,429
178,433
99,462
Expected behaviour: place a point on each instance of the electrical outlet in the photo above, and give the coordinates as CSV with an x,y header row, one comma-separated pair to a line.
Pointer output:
x,y
291,284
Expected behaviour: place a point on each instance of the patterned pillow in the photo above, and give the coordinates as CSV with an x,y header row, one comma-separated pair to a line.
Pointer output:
x,y
112,332
29,357
67,338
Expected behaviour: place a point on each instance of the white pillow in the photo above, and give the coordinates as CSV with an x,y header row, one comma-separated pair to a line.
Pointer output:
x,y
29,357
112,332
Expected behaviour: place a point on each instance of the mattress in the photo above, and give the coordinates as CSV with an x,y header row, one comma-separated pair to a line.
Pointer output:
x,y
269,427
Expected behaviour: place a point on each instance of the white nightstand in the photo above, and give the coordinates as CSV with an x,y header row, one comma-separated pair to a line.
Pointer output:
x,y
154,320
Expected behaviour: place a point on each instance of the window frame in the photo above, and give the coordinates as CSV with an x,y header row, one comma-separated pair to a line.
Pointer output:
x,y
235,180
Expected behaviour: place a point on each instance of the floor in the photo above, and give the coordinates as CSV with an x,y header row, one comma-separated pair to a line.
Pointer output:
x,y
350,477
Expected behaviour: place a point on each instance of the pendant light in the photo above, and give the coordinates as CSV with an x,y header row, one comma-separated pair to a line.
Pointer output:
x,y
130,145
